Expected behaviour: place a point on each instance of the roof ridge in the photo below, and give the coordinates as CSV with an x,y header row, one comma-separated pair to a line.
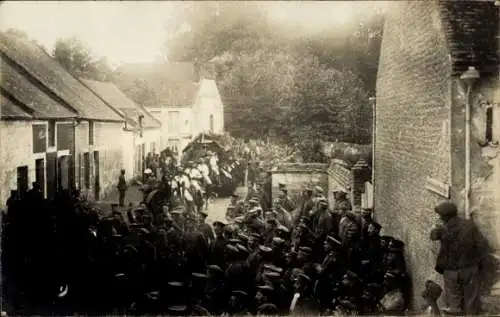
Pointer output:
x,y
30,111
100,98
37,82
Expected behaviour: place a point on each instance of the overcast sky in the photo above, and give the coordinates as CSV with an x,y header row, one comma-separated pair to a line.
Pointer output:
x,y
130,31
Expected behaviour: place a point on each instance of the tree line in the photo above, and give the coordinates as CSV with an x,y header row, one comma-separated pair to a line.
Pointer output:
x,y
296,87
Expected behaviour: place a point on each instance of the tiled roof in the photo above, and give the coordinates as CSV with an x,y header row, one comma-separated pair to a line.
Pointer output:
x,y
17,84
117,99
9,109
170,84
471,28
53,76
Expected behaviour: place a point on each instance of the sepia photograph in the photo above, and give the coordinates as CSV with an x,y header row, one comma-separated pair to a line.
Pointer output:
x,y
250,158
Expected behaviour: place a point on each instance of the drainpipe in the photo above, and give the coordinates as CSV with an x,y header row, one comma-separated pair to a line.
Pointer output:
x,y
373,101
468,77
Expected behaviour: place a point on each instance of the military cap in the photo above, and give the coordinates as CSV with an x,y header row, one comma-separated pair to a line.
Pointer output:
x,y
215,268
273,268
243,237
154,295
396,245
239,220
391,275
177,308
253,201
235,241
278,240
305,249
239,293
257,236
304,277
218,223
333,241
318,189
308,189
177,212
304,219
232,248
175,284
446,208
351,276
144,231
283,228
281,185
120,275
130,248
323,203
271,275
204,213
267,309
199,275
265,249
241,248
235,195
265,288
346,303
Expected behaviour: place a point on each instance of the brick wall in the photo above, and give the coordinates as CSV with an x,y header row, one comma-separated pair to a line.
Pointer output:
x,y
412,131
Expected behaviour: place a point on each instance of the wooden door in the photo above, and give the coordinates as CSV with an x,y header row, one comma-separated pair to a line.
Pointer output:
x,y
40,174
97,184
22,180
63,168
51,175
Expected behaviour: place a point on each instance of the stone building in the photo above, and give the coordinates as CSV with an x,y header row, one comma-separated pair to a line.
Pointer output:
x,y
421,130
183,96
142,131
59,132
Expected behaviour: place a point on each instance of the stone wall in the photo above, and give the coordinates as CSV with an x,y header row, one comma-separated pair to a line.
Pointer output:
x,y
412,131
339,178
108,140
16,149
299,176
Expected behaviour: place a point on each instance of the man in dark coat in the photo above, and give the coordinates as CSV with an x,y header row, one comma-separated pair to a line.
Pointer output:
x,y
461,253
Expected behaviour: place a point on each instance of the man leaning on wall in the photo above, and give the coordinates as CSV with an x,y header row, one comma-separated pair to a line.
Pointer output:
x,y
460,258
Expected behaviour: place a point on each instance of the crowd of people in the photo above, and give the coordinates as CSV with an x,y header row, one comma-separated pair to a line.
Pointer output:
x,y
267,257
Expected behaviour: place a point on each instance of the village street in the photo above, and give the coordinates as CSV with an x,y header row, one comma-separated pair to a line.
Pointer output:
x,y
216,210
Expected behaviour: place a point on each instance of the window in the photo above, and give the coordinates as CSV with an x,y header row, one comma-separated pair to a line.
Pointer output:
x,y
91,133
211,123
39,138
52,133
489,124
173,122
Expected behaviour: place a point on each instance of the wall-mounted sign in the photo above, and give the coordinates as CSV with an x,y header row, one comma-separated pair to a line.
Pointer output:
x,y
437,187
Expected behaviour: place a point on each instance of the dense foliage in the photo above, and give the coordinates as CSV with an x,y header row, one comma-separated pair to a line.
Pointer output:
x,y
294,86
76,58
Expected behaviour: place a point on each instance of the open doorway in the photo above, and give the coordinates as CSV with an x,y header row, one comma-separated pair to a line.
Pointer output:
x,y
22,180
